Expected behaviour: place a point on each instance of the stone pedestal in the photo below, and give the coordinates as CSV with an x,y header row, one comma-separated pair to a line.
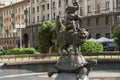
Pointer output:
x,y
68,76
72,67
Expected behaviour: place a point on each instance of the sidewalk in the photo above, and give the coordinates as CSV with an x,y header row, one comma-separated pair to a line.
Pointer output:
x,y
94,75
107,73
98,75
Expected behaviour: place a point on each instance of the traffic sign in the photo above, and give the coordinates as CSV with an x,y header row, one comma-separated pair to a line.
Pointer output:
x,y
19,26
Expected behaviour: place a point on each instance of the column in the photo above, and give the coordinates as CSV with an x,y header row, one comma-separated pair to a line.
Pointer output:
x,y
50,9
86,10
69,2
111,5
57,7
94,6
31,33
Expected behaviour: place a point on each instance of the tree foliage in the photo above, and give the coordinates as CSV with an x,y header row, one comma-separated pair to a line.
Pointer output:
x,y
116,35
90,46
47,37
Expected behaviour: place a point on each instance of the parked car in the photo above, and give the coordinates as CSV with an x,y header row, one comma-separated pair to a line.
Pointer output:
x,y
108,46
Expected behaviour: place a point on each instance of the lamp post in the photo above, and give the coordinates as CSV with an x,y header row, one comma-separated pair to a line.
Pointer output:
x,y
20,26
14,32
50,10
20,36
30,23
13,22
113,20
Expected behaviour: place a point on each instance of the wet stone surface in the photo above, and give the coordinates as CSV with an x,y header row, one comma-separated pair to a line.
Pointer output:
x,y
117,78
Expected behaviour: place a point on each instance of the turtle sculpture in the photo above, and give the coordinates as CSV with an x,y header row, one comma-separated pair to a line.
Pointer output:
x,y
73,64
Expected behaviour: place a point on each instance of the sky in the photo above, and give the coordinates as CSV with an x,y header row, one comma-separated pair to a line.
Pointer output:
x,y
7,1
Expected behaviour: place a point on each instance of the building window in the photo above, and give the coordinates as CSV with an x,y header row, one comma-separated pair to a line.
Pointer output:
x,y
60,13
9,12
32,1
118,18
81,0
118,3
53,4
66,2
23,17
89,36
38,9
107,35
89,9
48,16
43,7
33,10
47,6
81,11
60,3
37,18
53,16
97,20
99,7
97,36
107,5
43,18
107,19
33,20
88,22
81,23
18,9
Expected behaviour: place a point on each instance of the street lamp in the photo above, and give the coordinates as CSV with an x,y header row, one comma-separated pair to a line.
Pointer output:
x,y
14,32
30,22
23,26
113,20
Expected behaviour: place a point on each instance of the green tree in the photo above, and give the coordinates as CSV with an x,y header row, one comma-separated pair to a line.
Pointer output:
x,y
90,46
46,31
47,37
116,35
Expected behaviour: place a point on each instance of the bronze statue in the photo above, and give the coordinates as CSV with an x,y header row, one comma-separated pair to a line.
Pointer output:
x,y
73,35
72,17
70,37
70,40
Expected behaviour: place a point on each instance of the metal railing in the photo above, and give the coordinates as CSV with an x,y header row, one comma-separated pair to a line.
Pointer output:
x,y
54,56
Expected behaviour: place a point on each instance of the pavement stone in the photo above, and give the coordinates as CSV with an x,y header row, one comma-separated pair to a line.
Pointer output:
x,y
94,75
117,78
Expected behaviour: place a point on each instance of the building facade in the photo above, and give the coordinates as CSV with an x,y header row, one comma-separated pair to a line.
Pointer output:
x,y
99,17
10,16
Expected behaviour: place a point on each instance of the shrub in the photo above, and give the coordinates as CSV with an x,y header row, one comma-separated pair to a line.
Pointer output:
x,y
116,35
16,51
90,46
